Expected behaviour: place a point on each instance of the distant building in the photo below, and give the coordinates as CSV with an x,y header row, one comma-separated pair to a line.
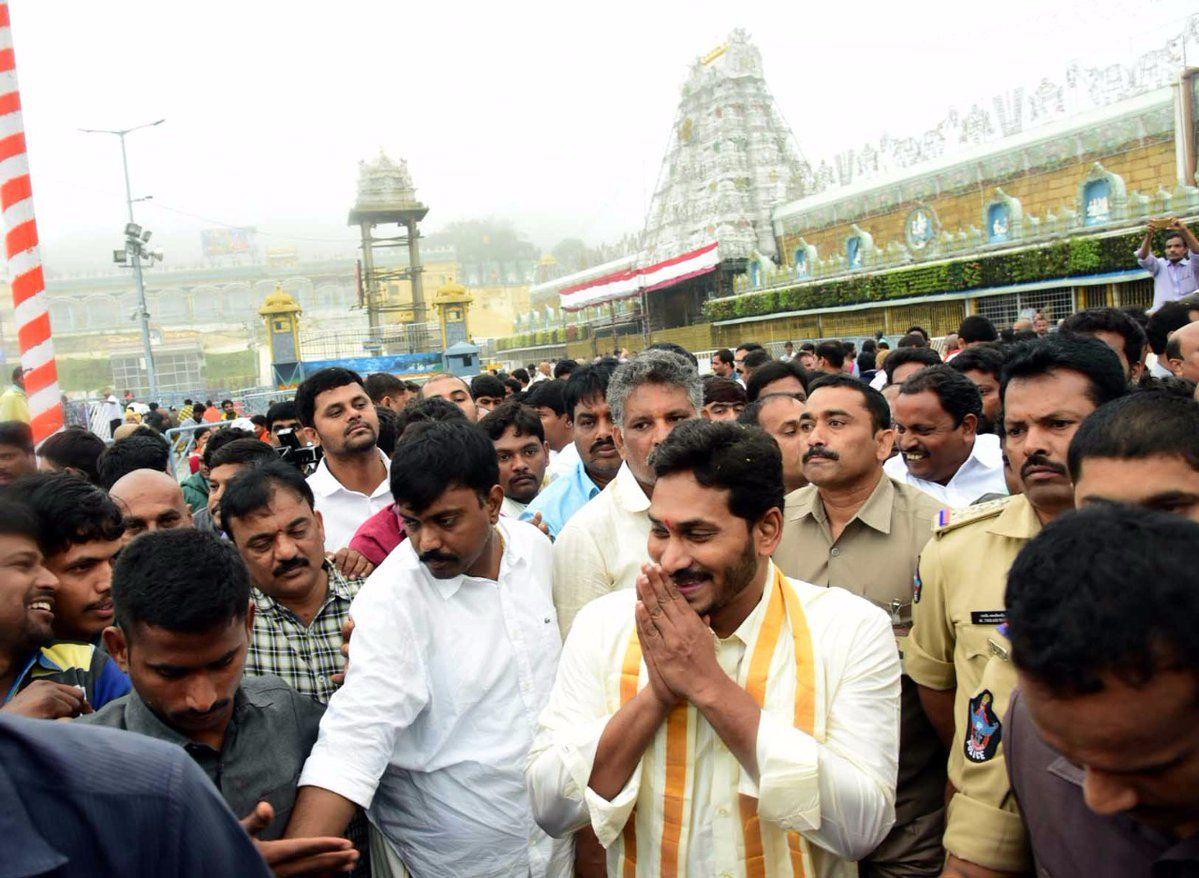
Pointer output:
x,y
180,368
1046,218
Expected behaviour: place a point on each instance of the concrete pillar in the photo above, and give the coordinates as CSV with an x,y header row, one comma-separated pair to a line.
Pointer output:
x,y
416,269
370,294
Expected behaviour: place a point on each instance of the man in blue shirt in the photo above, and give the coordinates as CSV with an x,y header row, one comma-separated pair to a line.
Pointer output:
x,y
39,676
82,802
586,403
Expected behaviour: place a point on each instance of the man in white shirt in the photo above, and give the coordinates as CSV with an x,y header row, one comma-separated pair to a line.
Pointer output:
x,y
107,415
523,454
548,399
722,715
724,365
937,415
350,483
452,659
602,547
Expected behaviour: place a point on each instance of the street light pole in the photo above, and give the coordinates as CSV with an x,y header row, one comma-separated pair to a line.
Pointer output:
x,y
142,309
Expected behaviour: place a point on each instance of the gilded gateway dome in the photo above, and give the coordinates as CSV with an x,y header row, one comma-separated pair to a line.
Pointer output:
x,y
279,302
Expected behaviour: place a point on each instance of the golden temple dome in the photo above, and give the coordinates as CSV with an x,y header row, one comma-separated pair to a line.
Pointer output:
x,y
279,302
452,294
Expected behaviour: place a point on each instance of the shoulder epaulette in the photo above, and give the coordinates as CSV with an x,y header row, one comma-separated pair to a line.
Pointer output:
x,y
951,519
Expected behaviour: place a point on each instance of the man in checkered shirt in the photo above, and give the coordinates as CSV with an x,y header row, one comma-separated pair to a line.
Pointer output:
x,y
301,601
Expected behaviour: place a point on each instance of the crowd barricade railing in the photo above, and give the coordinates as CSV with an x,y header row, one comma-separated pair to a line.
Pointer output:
x,y
181,441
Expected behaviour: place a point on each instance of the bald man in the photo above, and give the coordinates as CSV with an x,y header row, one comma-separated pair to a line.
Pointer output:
x,y
1182,352
452,388
149,500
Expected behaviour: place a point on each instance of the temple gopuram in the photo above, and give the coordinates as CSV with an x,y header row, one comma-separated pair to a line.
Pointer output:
x,y
1034,199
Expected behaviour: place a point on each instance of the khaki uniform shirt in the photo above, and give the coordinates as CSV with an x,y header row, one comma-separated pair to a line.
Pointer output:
x,y
957,611
875,557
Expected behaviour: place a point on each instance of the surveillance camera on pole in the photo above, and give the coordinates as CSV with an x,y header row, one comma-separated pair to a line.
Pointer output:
x,y
135,240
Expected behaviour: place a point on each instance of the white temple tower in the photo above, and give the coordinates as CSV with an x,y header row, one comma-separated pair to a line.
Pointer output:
x,y
731,158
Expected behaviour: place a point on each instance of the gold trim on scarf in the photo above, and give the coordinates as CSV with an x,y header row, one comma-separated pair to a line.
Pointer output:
x,y
784,604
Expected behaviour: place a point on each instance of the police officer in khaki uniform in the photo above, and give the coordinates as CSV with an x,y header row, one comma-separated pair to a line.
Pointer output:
x,y
856,528
956,651
958,609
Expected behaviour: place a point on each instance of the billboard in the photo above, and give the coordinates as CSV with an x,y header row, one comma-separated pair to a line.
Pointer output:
x,y
397,364
227,241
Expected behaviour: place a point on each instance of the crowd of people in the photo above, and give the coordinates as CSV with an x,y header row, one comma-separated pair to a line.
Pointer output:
x,y
848,610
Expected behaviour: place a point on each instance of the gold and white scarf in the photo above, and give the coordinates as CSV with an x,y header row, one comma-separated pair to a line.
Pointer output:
x,y
783,675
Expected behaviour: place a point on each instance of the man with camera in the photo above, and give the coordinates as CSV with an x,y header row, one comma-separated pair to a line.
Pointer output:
x,y
281,417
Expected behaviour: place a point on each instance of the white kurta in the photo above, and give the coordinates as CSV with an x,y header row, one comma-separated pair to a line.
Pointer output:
x,y
602,547
838,793
445,682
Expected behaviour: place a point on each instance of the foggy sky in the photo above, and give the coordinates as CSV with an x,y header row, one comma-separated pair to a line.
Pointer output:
x,y
554,115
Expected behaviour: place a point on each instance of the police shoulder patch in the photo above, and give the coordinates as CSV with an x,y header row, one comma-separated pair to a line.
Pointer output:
x,y
951,519
983,729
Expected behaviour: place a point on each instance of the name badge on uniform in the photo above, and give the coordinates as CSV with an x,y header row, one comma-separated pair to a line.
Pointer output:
x,y
988,617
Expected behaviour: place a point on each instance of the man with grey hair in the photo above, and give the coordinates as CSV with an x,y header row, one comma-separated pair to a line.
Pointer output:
x,y
602,547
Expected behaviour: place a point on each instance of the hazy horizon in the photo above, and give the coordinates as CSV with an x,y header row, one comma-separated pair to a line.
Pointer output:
x,y
550,119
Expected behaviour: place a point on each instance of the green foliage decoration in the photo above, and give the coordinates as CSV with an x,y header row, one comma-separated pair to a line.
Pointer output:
x,y
1058,259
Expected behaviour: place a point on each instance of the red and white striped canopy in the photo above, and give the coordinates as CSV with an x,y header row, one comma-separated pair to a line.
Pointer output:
x,y
634,281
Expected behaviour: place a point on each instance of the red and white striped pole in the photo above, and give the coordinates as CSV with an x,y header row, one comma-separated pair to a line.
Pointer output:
x,y
20,243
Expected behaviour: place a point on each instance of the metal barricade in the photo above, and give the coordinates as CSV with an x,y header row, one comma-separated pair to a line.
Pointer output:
x,y
256,401
181,441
